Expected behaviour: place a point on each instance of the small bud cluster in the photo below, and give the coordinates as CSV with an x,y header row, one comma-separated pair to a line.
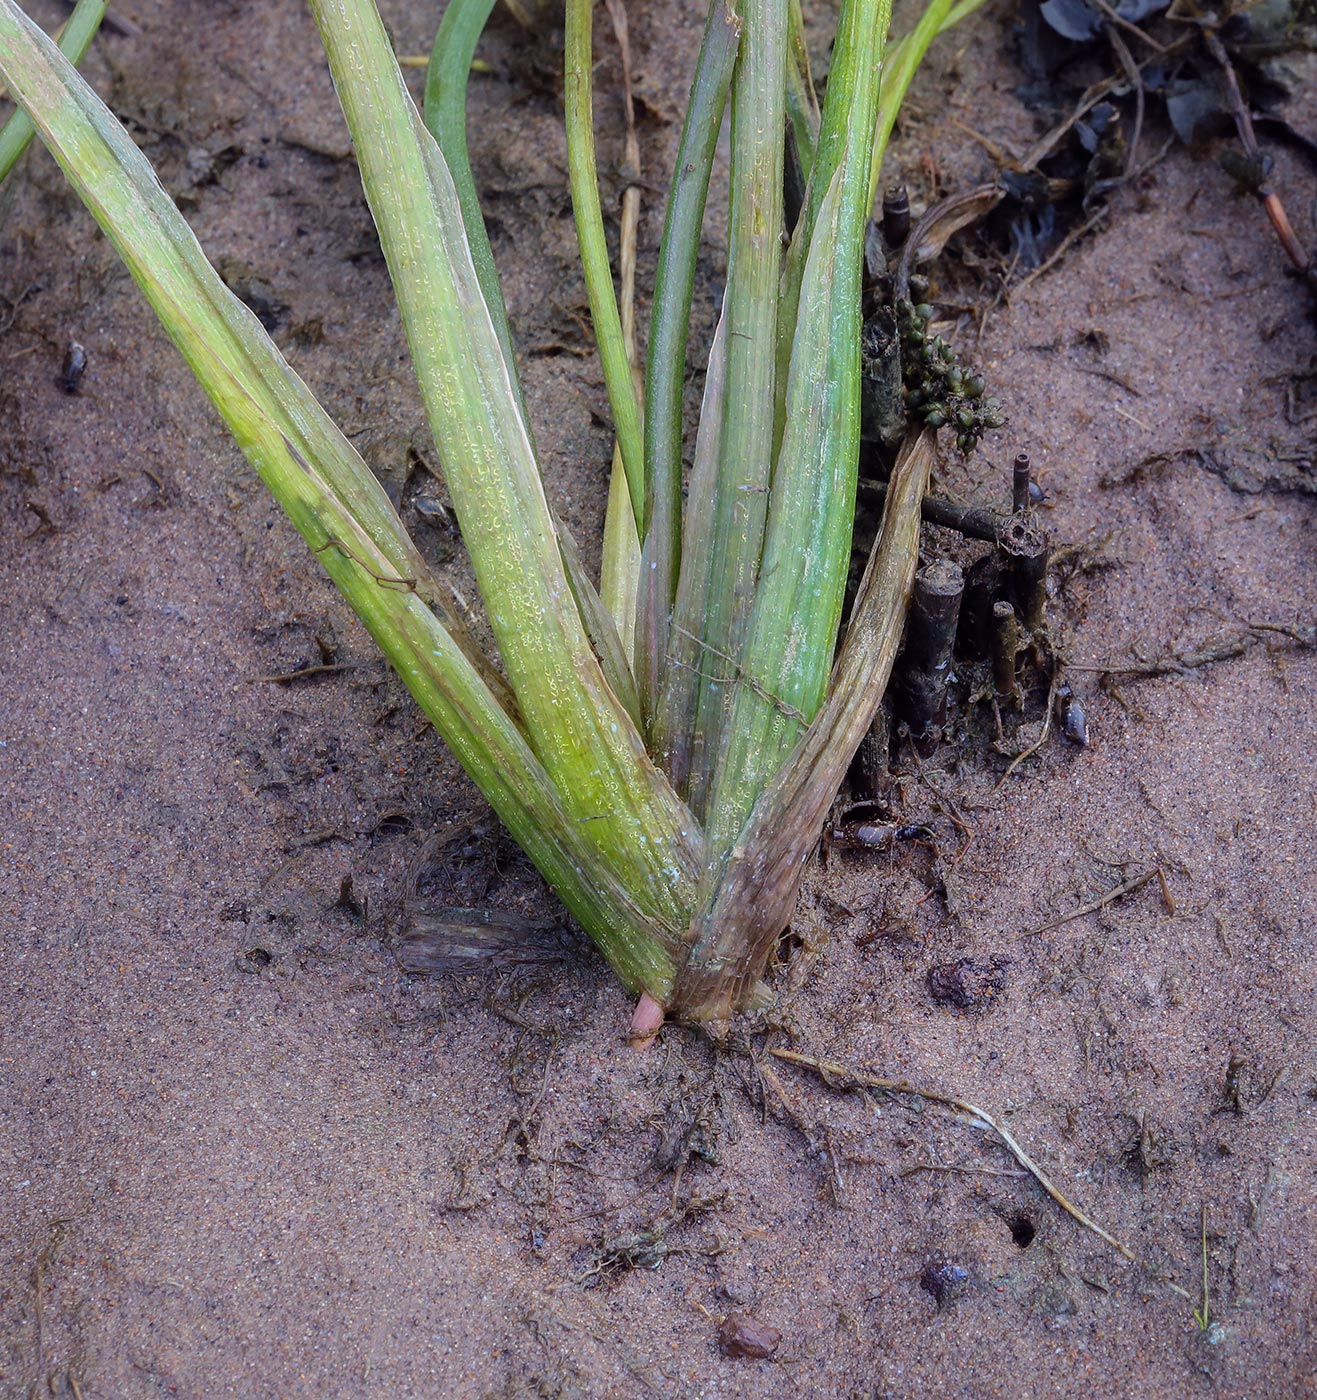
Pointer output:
x,y
937,389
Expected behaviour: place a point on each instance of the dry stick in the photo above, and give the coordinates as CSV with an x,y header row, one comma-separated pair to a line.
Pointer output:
x,y
974,522
1129,887
1269,199
844,1076
1130,27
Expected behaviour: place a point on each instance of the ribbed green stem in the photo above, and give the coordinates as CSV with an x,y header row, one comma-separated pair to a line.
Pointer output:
x,y
802,104
665,369
577,726
446,80
746,448
74,41
736,930
594,252
445,115
331,497
900,64
798,602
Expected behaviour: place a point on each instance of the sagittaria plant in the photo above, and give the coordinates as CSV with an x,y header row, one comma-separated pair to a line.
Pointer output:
x,y
665,750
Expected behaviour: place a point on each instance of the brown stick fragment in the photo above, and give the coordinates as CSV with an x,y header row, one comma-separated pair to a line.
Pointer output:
x,y
1022,546
1005,648
1021,476
1129,887
974,522
930,638
1268,198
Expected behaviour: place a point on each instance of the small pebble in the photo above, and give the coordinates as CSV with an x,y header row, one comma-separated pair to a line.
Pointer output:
x,y
743,1335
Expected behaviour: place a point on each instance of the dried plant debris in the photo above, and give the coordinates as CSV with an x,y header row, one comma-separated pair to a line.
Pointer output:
x,y
439,941
1214,74
966,985
648,1246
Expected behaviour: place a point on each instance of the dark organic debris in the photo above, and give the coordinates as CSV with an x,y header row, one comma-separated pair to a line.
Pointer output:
x,y
745,1336
648,1246
967,985
254,959
439,941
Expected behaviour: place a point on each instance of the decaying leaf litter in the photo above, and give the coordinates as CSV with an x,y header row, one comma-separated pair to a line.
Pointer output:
x,y
885,1301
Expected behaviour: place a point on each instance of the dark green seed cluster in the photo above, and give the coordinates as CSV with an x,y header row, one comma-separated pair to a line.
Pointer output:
x,y
937,389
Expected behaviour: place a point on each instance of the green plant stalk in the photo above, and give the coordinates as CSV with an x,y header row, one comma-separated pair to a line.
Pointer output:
x,y
737,928
674,283
746,448
802,103
618,379
900,64
577,726
845,79
208,324
798,601
672,736
445,115
74,41
336,504
619,565
444,109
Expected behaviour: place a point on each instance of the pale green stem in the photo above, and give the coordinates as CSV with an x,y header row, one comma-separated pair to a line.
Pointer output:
x,y
900,64
446,80
74,41
613,356
329,494
746,449
577,726
798,601
737,928
802,104
665,370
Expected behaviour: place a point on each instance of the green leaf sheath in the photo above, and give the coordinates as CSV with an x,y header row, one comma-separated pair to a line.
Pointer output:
x,y
620,382
746,447
802,104
672,733
74,42
852,79
336,504
577,726
798,602
738,926
445,116
665,368
491,749
446,78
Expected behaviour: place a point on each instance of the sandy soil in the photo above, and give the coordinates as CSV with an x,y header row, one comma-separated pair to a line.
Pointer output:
x,y
240,1155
